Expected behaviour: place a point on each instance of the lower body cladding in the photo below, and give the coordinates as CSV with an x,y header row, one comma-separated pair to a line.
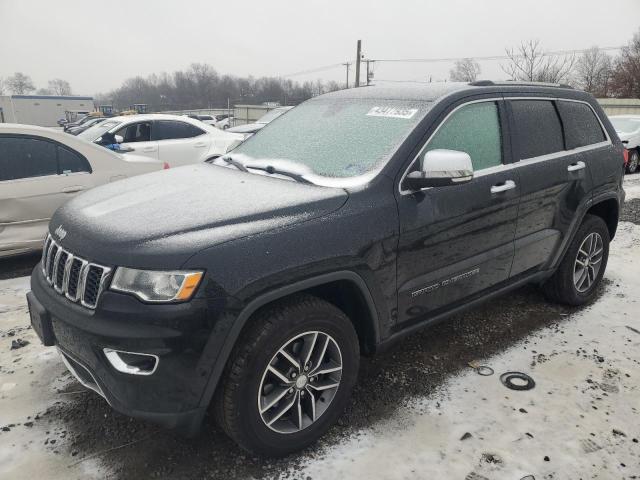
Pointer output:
x,y
147,361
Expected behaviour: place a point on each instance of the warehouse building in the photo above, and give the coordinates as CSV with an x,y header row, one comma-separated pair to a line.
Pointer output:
x,y
43,110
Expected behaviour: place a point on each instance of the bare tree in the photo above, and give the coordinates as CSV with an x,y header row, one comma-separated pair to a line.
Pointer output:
x,y
20,84
43,91
593,72
2,83
530,63
465,70
57,86
625,79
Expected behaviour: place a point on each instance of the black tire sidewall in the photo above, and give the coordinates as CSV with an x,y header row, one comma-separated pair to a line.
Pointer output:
x,y
256,434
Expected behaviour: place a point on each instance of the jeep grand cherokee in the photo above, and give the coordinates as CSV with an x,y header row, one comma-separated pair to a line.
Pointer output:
x,y
253,284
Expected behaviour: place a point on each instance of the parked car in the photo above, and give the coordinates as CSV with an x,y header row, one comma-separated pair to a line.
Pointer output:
x,y
253,284
251,128
81,121
86,125
224,123
628,129
174,139
207,119
40,169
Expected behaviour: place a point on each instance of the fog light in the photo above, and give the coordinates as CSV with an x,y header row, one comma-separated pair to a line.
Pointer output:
x,y
132,363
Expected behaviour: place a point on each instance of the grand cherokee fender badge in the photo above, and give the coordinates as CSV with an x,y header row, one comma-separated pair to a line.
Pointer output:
x,y
446,282
60,232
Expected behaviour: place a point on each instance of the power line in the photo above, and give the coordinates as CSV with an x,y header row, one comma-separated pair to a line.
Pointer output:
x,y
492,57
314,70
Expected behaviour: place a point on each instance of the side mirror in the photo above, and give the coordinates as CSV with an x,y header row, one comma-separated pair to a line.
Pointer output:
x,y
441,168
119,138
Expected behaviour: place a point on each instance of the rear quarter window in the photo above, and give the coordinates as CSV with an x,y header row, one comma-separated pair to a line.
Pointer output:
x,y
581,125
537,128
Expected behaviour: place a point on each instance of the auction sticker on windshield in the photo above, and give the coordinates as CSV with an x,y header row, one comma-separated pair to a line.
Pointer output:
x,y
392,112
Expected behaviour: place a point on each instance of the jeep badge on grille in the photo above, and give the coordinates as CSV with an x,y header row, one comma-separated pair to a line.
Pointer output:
x,y
61,232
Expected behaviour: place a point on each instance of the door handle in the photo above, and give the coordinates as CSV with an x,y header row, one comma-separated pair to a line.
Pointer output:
x,y
199,144
74,189
503,187
149,149
574,167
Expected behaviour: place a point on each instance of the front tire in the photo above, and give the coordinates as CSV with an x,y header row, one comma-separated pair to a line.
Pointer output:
x,y
577,278
634,159
290,377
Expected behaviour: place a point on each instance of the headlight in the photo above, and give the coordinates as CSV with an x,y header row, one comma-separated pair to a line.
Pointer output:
x,y
155,286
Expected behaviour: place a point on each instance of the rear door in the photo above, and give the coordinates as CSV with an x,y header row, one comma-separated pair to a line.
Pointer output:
x,y
138,136
555,181
36,177
458,241
180,143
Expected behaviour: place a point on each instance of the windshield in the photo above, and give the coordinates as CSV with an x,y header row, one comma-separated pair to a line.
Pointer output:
x,y
625,125
272,115
96,131
337,138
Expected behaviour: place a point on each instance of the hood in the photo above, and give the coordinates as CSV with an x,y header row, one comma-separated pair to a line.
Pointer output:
x,y
161,219
248,128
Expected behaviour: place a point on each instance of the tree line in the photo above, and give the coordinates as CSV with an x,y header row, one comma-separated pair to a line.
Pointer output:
x,y
594,71
201,86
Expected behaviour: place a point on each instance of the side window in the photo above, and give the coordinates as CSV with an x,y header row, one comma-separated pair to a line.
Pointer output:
x,y
71,162
22,157
474,129
171,130
581,126
137,132
537,127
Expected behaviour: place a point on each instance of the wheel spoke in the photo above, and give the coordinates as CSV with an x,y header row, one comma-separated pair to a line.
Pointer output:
x,y
583,278
299,402
312,401
271,400
308,353
278,374
330,367
283,410
597,253
323,351
595,262
293,361
324,386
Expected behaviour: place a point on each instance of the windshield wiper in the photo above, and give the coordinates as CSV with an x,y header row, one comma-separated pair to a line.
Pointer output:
x,y
270,169
230,161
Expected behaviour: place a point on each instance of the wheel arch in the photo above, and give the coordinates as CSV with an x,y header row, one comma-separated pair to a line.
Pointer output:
x,y
333,287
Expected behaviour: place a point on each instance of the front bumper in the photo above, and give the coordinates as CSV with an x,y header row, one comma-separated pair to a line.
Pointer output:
x,y
178,334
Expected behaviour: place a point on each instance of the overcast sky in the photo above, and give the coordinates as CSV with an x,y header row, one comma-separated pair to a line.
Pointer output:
x,y
97,44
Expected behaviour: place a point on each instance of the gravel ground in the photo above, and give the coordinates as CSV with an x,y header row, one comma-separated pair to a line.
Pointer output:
x,y
52,426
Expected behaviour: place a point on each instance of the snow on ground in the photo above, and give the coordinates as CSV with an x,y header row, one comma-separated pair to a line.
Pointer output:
x,y
632,187
582,419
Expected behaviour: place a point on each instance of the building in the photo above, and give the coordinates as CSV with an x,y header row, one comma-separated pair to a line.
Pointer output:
x,y
43,110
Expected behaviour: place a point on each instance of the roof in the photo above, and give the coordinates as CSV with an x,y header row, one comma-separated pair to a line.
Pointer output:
x,y
437,90
51,97
52,133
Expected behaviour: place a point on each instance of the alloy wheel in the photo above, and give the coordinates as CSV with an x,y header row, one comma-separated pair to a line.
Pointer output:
x,y
588,262
300,382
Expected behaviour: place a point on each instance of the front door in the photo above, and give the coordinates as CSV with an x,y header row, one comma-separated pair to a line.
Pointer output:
x,y
137,136
180,143
457,241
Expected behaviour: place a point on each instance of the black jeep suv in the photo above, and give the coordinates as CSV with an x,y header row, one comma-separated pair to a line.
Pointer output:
x,y
252,283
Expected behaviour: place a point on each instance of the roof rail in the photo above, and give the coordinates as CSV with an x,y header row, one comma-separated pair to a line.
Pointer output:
x,y
491,83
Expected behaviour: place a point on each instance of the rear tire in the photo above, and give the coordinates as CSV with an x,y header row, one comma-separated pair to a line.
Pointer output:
x,y
634,159
279,337
576,280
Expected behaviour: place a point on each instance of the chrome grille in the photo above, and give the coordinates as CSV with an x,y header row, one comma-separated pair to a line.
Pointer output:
x,y
76,278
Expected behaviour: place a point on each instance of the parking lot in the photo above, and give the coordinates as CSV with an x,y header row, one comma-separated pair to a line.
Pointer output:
x,y
418,410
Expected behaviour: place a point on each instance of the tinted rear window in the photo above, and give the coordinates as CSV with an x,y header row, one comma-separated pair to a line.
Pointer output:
x,y
169,129
537,127
26,158
71,161
581,126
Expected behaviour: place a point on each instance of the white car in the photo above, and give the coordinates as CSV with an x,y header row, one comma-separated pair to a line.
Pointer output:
x,y
224,123
628,129
173,139
42,168
251,128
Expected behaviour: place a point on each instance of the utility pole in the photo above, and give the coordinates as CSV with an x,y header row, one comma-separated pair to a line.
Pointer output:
x,y
347,65
358,54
